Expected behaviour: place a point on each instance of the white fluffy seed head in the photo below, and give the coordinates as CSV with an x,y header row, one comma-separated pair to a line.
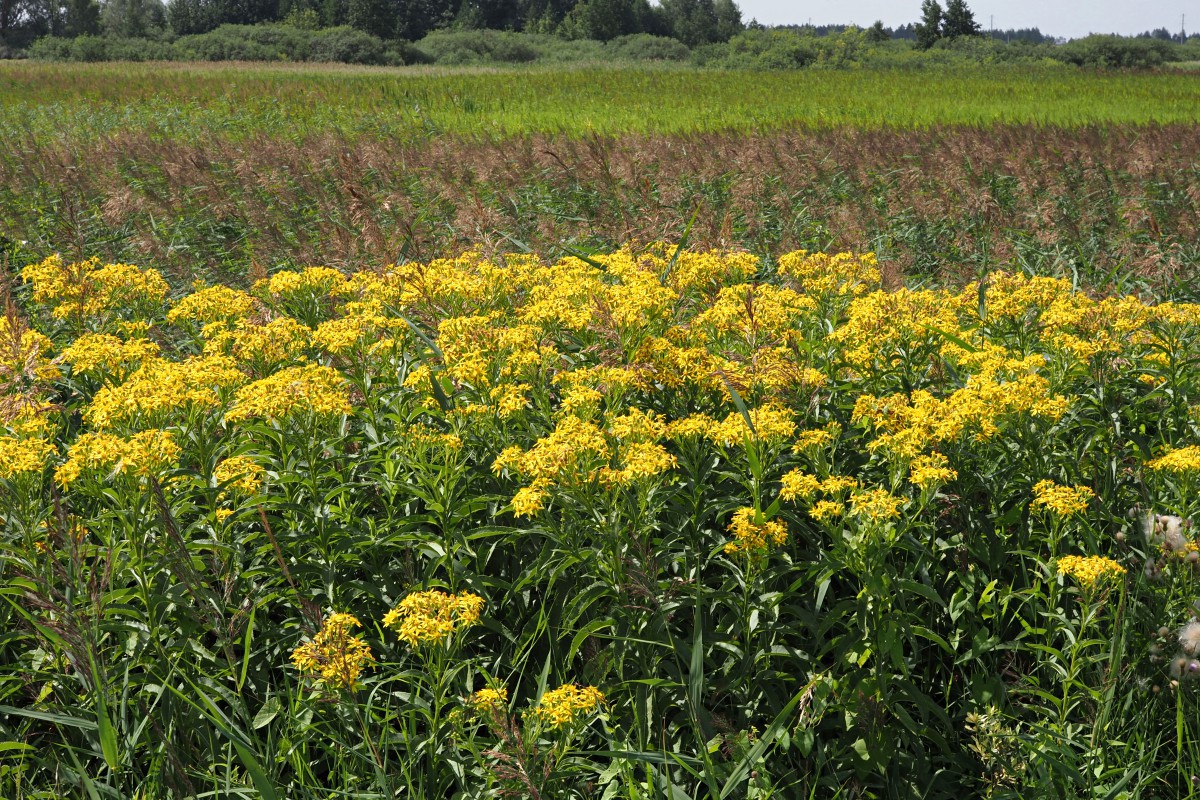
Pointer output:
x,y
1189,638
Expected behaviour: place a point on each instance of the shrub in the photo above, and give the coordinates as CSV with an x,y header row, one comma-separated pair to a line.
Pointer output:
x,y
767,49
480,47
102,48
247,43
347,45
1115,52
647,47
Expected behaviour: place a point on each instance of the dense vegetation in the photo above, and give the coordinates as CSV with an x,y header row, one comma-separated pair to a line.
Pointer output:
x,y
654,524
508,498
759,48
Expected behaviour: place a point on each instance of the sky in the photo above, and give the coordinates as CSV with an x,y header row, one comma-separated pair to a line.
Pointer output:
x,y
1070,18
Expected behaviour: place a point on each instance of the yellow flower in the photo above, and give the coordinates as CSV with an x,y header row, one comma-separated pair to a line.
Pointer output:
x,y
25,358
1183,460
19,456
690,427
510,398
239,474
317,281
753,536
755,312
820,274
143,454
816,439
1063,501
771,424
433,616
837,484
930,471
488,700
88,288
876,505
1090,570
798,484
160,387
529,501
212,304
281,341
571,451
827,510
98,353
315,388
335,656
567,704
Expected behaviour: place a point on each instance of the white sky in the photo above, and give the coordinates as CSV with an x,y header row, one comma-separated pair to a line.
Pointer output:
x,y
1071,18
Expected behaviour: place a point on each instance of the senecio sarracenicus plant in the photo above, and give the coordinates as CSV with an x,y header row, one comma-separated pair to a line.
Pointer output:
x,y
631,522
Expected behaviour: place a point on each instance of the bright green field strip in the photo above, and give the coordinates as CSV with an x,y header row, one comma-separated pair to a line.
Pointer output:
x,y
182,101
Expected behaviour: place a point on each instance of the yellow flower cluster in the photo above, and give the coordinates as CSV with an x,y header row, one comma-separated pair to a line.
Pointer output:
x,y
884,329
25,357
572,446
568,704
212,304
432,617
335,655
423,434
875,505
241,475
826,510
161,387
771,424
23,455
87,288
102,353
314,388
1184,460
340,336
264,347
907,426
1063,501
1090,570
812,440
314,281
797,484
488,700
143,454
930,471
753,534
756,313
823,275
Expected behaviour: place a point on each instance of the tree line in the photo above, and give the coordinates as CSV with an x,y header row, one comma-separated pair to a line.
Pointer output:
x,y
693,22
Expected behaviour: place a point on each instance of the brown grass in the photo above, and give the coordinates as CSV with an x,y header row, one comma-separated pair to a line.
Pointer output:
x,y
1126,197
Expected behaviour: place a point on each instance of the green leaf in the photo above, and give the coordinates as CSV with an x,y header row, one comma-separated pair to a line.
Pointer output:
x,y
958,340
104,726
579,638
46,716
683,240
739,403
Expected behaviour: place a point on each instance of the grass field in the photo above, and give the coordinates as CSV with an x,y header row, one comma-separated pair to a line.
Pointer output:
x,y
189,103
360,437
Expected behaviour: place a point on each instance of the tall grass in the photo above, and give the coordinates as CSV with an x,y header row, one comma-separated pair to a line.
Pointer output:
x,y
1102,204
